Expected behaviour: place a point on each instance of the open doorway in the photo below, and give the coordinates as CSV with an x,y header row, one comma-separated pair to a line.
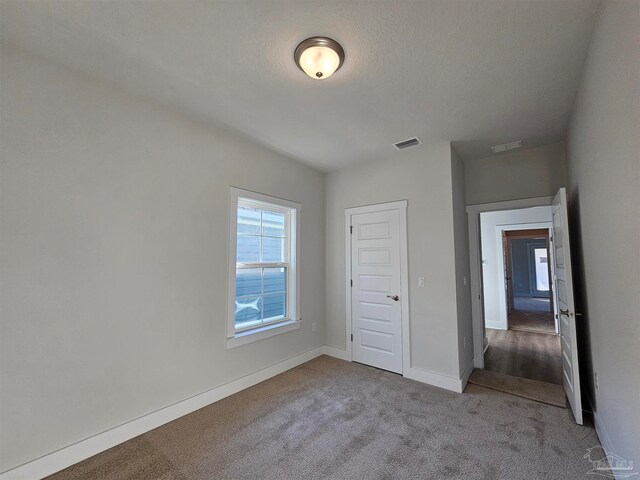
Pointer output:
x,y
520,330
549,360
528,280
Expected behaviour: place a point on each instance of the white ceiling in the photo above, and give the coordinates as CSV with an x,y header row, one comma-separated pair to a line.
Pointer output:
x,y
476,72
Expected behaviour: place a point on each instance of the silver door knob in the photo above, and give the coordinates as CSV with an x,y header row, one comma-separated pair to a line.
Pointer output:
x,y
395,298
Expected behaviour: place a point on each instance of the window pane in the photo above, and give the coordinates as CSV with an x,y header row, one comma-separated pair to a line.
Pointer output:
x,y
248,311
542,272
272,223
261,237
248,220
275,280
248,248
248,281
275,306
272,249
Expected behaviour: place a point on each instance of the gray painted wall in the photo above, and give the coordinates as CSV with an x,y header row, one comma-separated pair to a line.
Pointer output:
x,y
114,234
535,172
461,251
520,256
423,177
604,172
520,265
114,256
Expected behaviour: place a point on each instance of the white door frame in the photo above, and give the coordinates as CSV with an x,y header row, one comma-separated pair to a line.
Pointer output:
x,y
475,264
401,207
504,316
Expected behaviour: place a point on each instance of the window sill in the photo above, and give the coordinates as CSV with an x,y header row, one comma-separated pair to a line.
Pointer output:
x,y
249,336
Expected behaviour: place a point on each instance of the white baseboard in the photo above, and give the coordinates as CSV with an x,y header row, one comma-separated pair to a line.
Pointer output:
x,y
603,436
465,375
495,326
335,352
67,456
417,374
436,379
605,439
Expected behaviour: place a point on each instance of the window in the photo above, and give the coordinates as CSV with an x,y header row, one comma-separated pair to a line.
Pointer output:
x,y
542,269
262,267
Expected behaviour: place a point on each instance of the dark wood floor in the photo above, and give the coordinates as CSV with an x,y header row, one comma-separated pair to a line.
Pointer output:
x,y
524,354
532,321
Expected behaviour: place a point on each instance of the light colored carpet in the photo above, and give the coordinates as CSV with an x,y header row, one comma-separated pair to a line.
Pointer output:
x,y
544,392
334,419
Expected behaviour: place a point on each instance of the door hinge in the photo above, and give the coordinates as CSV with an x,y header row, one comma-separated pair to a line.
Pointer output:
x,y
351,229
551,239
352,337
352,283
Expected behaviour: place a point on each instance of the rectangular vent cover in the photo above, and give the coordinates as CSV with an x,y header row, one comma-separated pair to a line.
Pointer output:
x,y
506,146
410,142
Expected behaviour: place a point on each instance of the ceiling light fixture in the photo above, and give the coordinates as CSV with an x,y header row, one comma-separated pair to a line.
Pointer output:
x,y
319,57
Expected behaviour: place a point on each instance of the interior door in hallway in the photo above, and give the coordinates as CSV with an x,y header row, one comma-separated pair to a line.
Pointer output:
x,y
565,307
375,300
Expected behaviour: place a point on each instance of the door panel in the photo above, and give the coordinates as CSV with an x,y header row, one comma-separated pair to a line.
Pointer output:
x,y
373,230
376,340
374,256
375,271
565,307
508,274
374,283
375,312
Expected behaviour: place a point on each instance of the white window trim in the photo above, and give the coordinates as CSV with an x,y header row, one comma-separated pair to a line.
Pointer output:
x,y
292,320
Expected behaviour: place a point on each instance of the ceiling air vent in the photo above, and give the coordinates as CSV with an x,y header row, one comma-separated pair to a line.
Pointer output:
x,y
506,146
410,142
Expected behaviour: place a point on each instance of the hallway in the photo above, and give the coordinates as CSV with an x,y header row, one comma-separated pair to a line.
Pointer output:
x,y
531,321
524,354
537,304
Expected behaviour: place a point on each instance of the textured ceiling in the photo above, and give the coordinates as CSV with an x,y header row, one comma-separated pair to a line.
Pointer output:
x,y
475,72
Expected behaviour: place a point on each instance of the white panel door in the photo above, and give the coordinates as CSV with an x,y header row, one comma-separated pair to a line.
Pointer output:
x,y
376,307
565,307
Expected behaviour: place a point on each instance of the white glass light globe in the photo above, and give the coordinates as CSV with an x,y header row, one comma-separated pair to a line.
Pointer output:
x,y
319,62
